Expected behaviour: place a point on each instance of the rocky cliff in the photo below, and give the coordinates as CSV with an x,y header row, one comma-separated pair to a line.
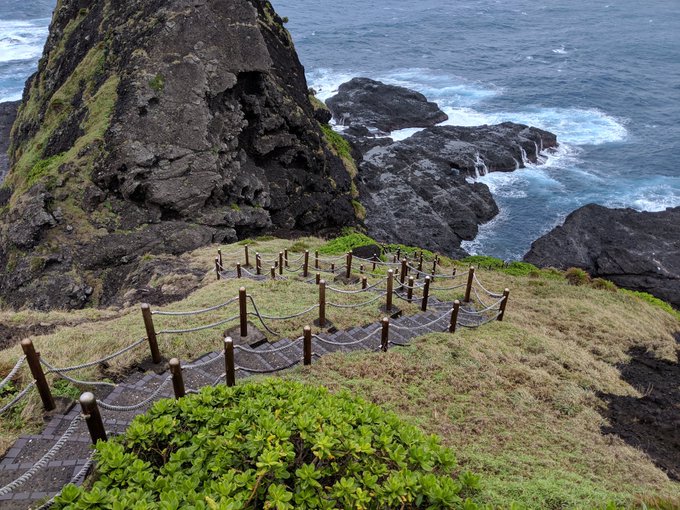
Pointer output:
x,y
636,250
155,127
8,112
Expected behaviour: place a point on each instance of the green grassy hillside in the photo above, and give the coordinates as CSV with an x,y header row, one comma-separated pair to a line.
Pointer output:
x,y
522,402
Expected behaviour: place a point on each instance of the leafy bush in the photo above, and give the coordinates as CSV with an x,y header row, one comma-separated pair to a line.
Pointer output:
x,y
577,276
348,241
273,444
602,284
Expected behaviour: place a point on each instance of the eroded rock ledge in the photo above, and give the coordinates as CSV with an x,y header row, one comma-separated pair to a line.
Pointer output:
x,y
635,250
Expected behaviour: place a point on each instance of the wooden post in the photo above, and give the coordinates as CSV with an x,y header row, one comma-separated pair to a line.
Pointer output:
x,y
453,273
238,270
434,267
333,268
409,291
390,288
219,256
33,359
361,269
454,316
468,289
316,260
305,265
285,257
364,282
404,270
280,262
375,258
398,253
217,268
385,334
258,264
426,294
273,273
151,333
504,303
247,256
307,345
318,278
322,303
243,311
230,369
394,259
93,419
348,274
177,379
420,262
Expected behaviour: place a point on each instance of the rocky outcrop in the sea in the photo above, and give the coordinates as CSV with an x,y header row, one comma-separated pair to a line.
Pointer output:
x,y
418,191
363,103
8,112
635,250
154,127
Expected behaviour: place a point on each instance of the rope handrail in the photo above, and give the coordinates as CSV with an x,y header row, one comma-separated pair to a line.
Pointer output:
x,y
259,316
269,351
13,372
358,291
99,361
331,342
378,262
476,325
265,370
481,301
422,326
53,370
44,460
197,312
17,397
491,294
202,364
454,287
284,317
294,270
483,310
139,405
197,328
436,275
357,305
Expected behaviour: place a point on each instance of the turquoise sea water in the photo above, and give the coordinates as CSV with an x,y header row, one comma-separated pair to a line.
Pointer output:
x,y
604,76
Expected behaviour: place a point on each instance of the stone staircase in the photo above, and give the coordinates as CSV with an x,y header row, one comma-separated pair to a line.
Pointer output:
x,y
68,463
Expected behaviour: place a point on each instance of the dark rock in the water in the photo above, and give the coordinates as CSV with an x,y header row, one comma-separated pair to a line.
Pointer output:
x,y
635,250
416,191
8,112
367,103
157,127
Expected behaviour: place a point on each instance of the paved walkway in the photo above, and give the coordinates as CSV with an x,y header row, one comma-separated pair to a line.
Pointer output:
x,y
69,462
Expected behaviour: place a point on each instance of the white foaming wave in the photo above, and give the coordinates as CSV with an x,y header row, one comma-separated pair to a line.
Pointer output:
x,y
572,125
403,134
486,231
22,40
327,81
560,50
467,117
652,197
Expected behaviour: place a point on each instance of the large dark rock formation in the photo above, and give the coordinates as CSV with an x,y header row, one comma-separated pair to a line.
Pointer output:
x,y
636,250
418,191
158,126
8,112
366,103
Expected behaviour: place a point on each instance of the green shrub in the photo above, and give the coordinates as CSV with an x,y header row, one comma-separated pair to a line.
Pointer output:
x,y
345,243
267,445
484,262
157,83
602,284
577,276
339,144
521,269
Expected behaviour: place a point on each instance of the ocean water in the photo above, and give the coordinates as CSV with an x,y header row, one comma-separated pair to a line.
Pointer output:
x,y
604,76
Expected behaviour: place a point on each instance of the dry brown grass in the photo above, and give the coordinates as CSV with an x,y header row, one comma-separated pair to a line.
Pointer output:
x,y
517,400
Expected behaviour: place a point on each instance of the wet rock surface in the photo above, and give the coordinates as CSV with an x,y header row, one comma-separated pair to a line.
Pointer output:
x,y
418,191
635,250
8,112
370,104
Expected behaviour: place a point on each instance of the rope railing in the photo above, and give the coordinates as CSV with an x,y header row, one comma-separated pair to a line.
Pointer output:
x,y
90,364
491,294
139,405
17,398
196,312
62,374
269,351
197,328
423,326
8,378
44,460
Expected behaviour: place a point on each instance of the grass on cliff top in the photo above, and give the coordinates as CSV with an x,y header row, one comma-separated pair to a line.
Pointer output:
x,y
518,400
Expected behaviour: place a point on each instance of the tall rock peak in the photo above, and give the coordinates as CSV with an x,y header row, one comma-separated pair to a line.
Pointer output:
x,y
157,126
